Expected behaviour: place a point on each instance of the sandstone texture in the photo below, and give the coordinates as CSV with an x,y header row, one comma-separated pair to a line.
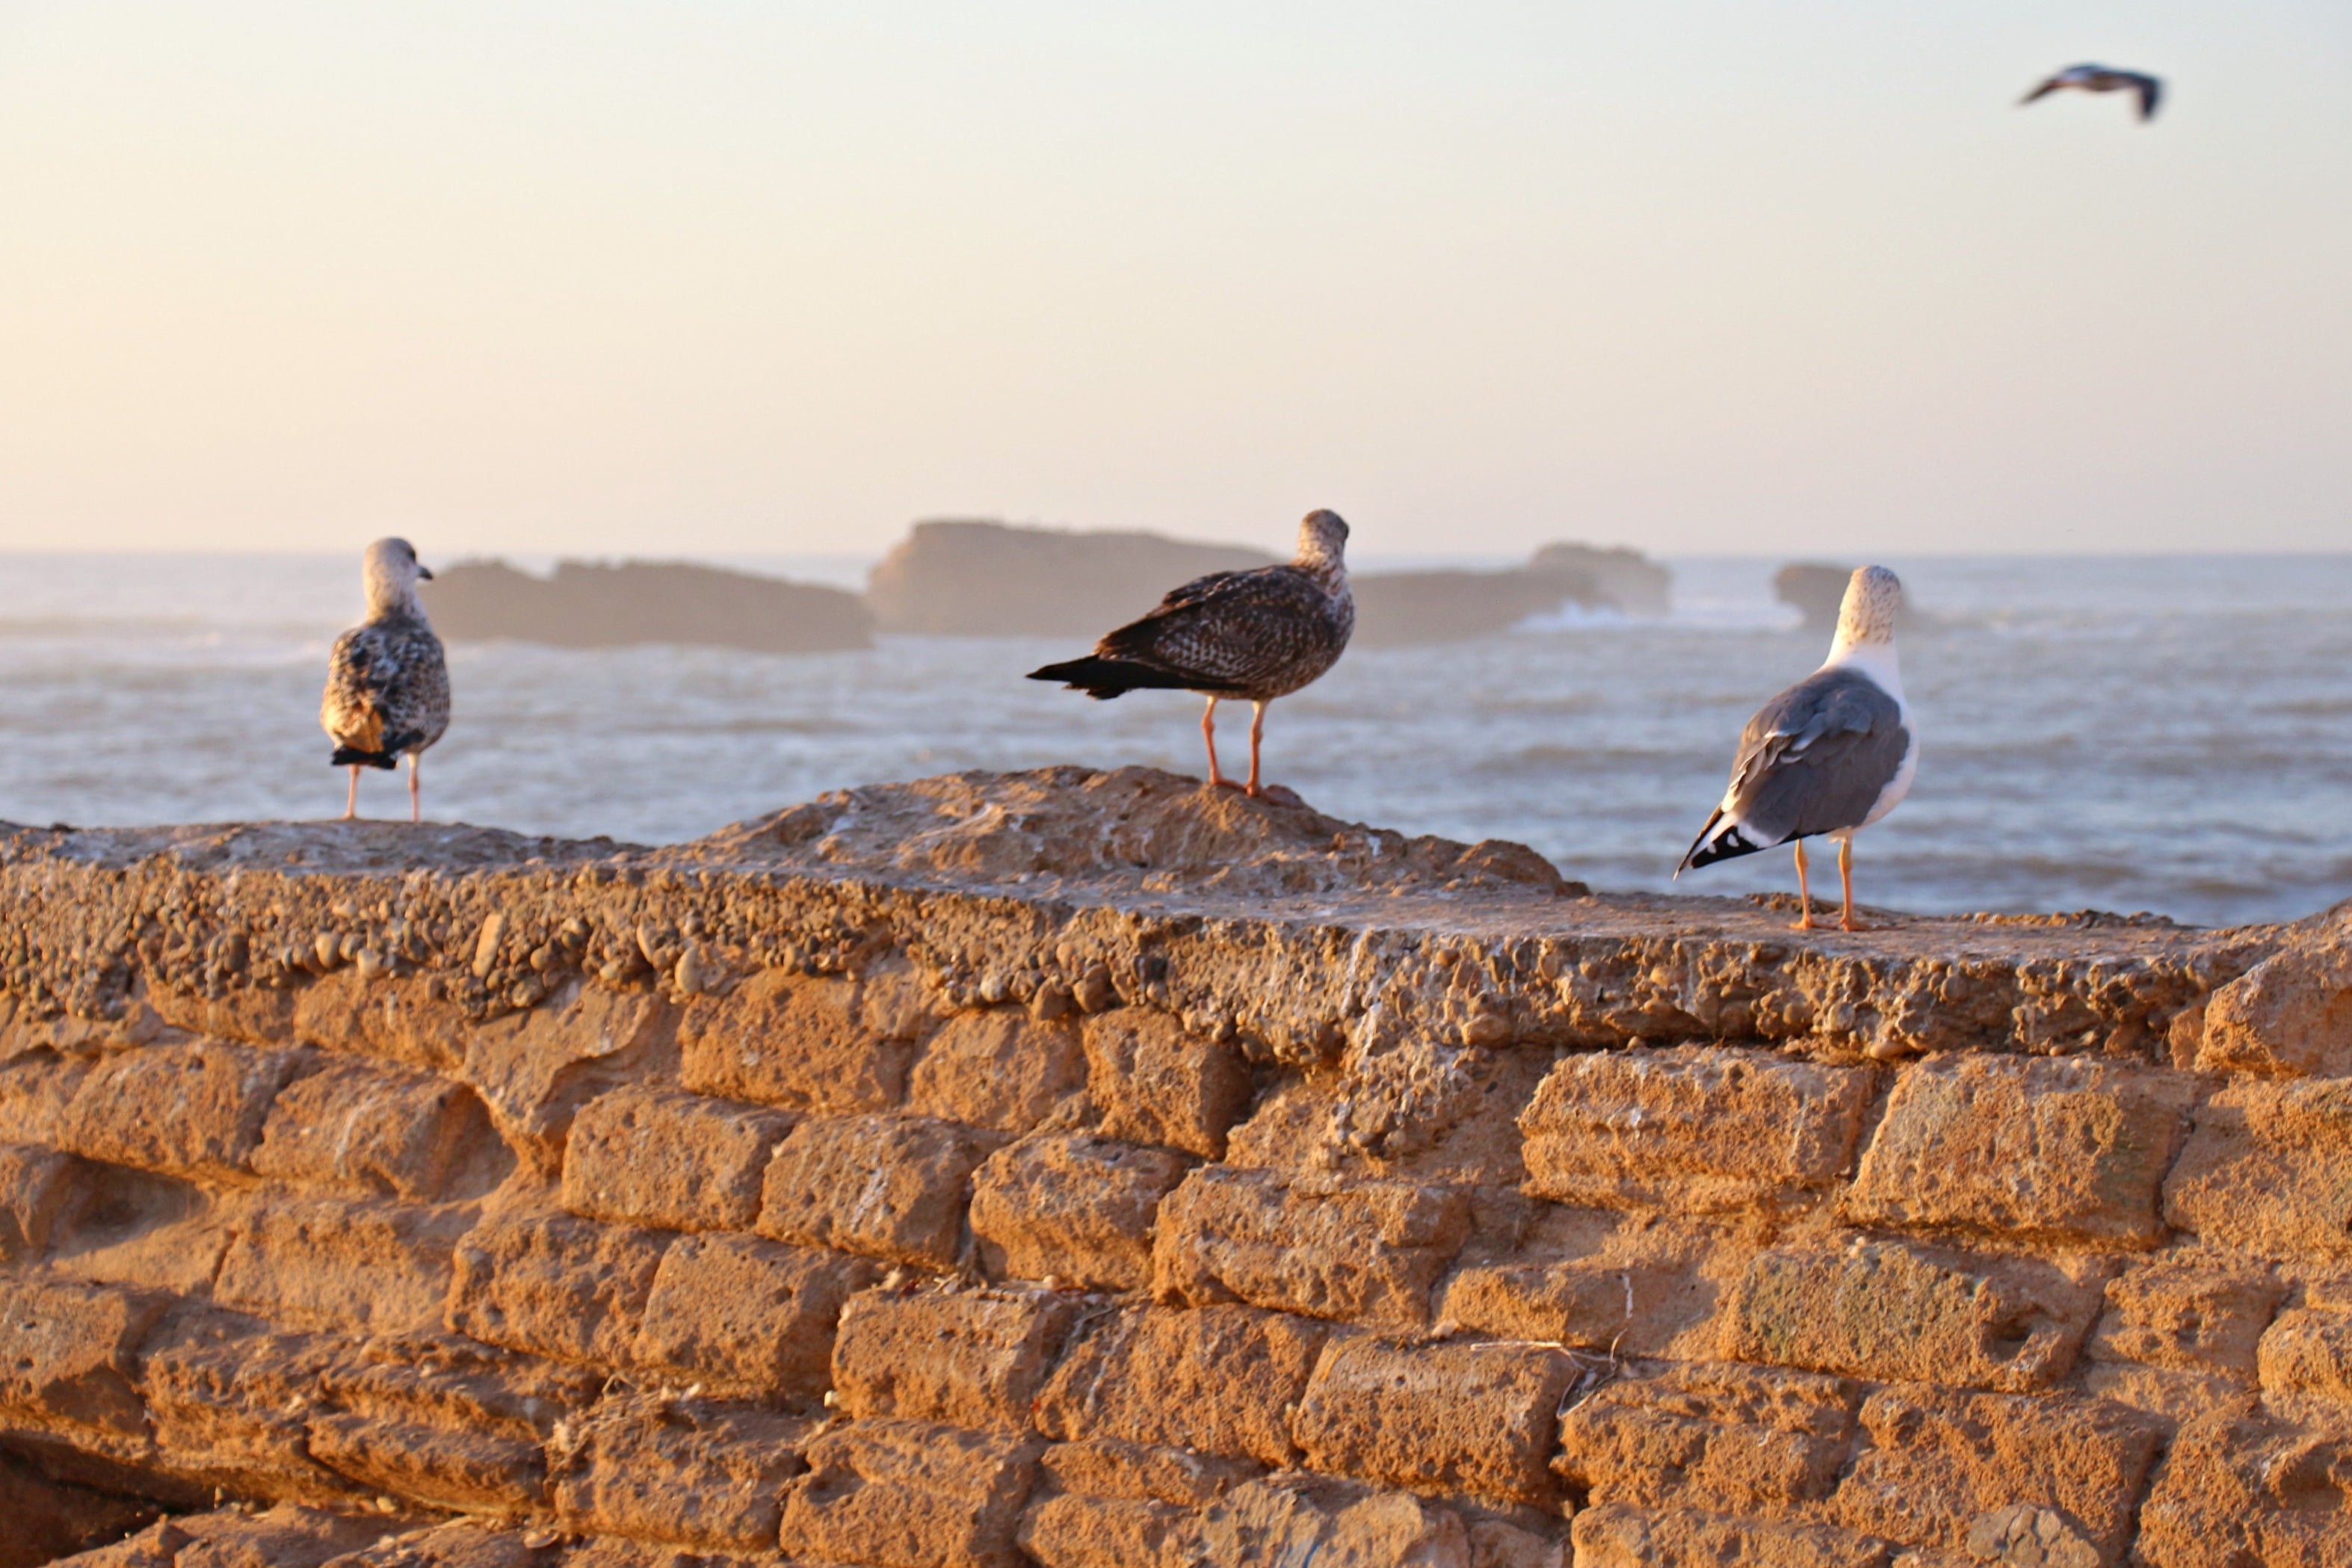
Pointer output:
x,y
1090,1170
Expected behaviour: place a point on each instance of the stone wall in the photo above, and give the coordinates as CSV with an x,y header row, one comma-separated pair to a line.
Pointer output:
x,y
1091,1170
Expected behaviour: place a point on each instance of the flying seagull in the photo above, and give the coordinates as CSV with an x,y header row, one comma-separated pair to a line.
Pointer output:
x,y
2103,78
387,684
1831,755
1256,634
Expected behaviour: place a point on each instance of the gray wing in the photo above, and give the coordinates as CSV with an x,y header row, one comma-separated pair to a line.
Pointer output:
x,y
2151,91
1816,758
1243,632
2044,91
387,688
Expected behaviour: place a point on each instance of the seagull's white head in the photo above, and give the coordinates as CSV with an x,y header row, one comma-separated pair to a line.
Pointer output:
x,y
391,573
1322,539
1872,597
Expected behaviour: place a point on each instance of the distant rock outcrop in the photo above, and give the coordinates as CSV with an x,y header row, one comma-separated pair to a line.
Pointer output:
x,y
589,606
990,579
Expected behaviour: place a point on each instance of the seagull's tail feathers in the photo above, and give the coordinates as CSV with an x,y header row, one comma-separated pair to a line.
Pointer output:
x,y
388,757
1103,679
1723,838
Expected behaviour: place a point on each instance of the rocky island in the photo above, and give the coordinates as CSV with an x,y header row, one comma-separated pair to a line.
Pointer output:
x,y
1094,1171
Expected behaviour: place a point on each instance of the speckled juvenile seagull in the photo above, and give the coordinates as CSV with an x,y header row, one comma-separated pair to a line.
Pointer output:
x,y
2103,78
1256,634
1831,755
387,683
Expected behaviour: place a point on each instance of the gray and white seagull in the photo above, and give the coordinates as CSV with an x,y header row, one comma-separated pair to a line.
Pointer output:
x,y
2103,78
387,683
1831,755
1256,634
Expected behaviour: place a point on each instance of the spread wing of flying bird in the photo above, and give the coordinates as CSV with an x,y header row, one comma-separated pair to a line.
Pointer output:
x,y
2104,79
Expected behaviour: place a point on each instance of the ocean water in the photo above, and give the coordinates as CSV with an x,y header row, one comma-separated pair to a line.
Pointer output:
x,y
2169,734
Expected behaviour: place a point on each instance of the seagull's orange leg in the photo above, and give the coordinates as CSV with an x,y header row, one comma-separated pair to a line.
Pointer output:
x,y
1209,735
1258,733
1846,879
416,791
352,796
1804,894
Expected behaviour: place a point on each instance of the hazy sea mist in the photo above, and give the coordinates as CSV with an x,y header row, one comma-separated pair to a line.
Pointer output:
x,y
2163,733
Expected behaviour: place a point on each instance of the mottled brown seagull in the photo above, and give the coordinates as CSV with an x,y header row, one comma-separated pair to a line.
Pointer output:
x,y
1256,634
2103,78
1829,755
387,683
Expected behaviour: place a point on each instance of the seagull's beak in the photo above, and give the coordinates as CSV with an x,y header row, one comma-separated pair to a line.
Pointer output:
x,y
424,572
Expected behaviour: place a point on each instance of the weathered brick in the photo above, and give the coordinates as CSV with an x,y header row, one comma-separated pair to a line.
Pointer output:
x,y
909,1494
1473,1416
1935,1459
1585,1304
780,1039
1273,1522
1219,1379
2170,1313
1110,1466
2242,1488
888,1186
249,1014
689,1470
2288,1016
2309,1351
2268,1168
194,1108
997,1069
1072,1208
66,1351
374,1131
555,1285
283,1537
1697,1129
1615,1535
35,1185
1715,1436
536,1069
654,1156
2066,1151
439,1467
228,1399
35,1090
970,1358
741,1312
340,1262
1155,1082
1077,1530
1358,1251
409,1019
1889,1309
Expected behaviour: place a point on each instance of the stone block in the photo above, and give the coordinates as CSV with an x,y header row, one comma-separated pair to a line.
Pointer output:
x,y
439,1467
1471,1417
1111,1467
195,1109
1222,1380
248,1015
887,1186
1072,1208
227,1400
647,1156
969,1358
742,1313
469,1543
2242,1488
536,1069
1363,1252
1934,1461
377,1132
2309,1351
1616,1535
1697,1129
909,1494
408,1019
1583,1302
686,1470
781,1039
1715,1436
2268,1169
1155,1082
1891,1311
1309,1518
36,1185
346,1263
1077,1529
997,1069
555,1285
34,1092
2170,1313
2288,1016
2069,1153
67,1353
286,1536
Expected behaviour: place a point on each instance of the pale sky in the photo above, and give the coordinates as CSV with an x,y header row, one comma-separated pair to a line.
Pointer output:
x,y
1752,275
